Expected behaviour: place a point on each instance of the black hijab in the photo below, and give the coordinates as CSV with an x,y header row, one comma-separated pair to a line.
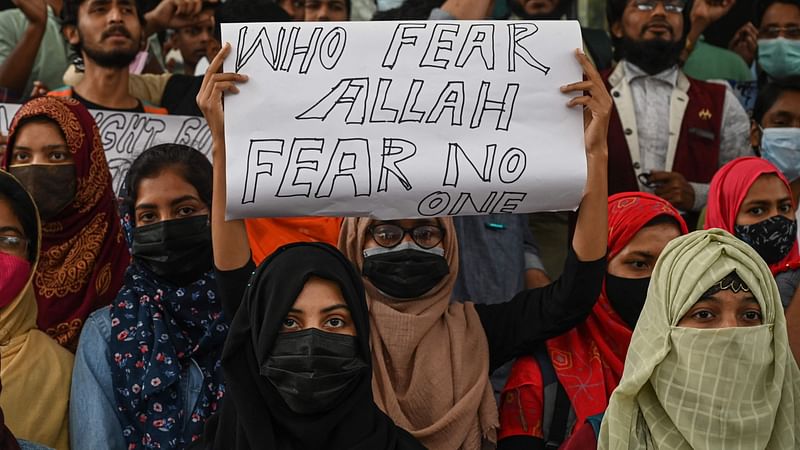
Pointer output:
x,y
253,414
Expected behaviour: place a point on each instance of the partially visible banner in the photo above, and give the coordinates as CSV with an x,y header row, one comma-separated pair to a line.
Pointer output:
x,y
126,135
403,119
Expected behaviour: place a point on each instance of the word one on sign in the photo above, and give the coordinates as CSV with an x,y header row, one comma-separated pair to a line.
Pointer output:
x,y
403,119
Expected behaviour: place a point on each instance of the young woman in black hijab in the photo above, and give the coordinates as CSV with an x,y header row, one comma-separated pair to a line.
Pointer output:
x,y
297,361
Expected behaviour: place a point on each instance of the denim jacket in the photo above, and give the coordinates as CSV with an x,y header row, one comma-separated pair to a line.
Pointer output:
x,y
92,409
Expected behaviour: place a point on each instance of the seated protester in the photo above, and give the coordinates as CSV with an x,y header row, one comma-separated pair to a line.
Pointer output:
x,y
31,47
54,149
778,23
750,198
294,8
703,61
303,312
35,370
108,36
432,358
326,10
177,92
595,41
147,370
674,158
416,364
775,128
192,42
640,226
709,363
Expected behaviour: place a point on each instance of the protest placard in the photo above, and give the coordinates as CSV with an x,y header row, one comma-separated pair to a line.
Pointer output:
x,y
126,135
403,119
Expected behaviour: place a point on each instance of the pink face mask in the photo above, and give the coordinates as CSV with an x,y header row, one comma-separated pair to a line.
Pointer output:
x,y
14,273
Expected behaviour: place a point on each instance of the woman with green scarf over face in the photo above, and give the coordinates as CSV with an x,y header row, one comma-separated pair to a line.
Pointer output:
x,y
709,365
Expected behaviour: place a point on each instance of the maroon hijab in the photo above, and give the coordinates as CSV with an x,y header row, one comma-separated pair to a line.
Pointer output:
x,y
83,253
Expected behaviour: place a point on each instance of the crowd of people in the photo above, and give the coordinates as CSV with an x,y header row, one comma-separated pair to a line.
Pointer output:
x,y
662,314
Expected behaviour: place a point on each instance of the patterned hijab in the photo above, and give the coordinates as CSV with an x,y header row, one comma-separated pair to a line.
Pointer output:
x,y
430,357
598,345
83,256
723,388
730,186
157,330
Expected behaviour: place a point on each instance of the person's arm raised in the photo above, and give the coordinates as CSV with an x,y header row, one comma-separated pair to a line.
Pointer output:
x,y
17,64
518,326
591,231
229,238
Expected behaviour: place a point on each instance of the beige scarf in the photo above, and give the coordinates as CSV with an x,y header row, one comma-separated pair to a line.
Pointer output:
x,y
36,373
430,357
687,388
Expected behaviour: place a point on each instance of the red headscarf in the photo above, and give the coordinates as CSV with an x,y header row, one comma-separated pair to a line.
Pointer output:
x,y
83,253
730,186
588,359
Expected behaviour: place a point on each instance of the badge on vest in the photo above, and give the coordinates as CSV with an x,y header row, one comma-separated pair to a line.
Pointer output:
x,y
704,114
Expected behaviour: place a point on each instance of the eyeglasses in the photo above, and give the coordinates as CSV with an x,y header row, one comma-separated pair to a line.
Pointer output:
x,y
13,244
792,32
670,6
388,235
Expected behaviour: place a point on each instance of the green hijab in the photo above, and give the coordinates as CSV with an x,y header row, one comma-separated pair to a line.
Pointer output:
x,y
688,388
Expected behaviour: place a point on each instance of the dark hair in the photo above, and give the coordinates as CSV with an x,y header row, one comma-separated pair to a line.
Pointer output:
x,y
241,11
192,165
664,218
770,94
23,208
762,6
69,17
409,10
616,8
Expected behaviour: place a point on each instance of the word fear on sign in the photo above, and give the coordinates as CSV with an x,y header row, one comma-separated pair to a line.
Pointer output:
x,y
403,119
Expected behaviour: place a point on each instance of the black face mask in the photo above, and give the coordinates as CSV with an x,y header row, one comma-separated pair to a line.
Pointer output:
x,y
52,187
772,238
406,271
313,370
178,250
627,296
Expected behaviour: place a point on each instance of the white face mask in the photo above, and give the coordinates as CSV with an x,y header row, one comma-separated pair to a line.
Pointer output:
x,y
781,147
402,246
385,5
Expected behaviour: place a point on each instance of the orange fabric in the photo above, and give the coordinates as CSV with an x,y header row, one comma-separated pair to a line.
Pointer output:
x,y
267,234
150,109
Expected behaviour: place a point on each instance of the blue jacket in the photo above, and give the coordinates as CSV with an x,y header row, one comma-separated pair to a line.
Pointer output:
x,y
92,409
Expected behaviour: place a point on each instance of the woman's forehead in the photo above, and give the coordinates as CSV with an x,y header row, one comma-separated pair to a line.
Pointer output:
x,y
409,223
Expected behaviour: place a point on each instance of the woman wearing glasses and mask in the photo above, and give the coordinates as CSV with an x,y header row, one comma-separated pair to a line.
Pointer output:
x,y
35,370
431,359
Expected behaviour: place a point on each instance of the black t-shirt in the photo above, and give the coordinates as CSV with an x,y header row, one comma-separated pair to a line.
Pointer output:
x,y
89,105
180,95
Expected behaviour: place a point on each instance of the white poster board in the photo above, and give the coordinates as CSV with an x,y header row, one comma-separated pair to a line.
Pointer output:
x,y
126,135
403,119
